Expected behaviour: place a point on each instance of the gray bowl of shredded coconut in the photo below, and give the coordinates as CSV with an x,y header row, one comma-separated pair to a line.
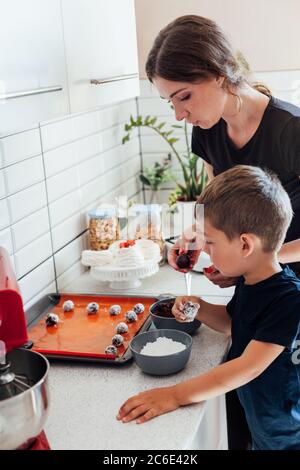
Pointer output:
x,y
161,352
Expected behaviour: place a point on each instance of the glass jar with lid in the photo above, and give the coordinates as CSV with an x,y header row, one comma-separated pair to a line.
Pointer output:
x,y
103,228
148,223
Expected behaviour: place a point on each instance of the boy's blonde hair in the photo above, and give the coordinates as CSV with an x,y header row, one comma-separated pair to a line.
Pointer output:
x,y
247,199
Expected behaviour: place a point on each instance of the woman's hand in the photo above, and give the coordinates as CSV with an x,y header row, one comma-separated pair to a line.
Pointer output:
x,y
177,309
218,279
148,405
183,246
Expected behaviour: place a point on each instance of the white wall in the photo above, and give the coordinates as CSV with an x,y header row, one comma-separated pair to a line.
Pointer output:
x,y
266,31
50,177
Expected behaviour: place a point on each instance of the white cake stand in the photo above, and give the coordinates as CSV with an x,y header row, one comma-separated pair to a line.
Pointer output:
x,y
124,278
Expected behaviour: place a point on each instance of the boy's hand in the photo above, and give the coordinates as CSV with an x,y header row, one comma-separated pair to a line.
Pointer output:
x,y
218,279
148,405
177,309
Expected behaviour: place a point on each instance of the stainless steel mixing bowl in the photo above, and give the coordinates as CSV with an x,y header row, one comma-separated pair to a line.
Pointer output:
x,y
22,417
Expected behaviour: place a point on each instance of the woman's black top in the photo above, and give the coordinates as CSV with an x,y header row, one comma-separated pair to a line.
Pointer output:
x,y
274,146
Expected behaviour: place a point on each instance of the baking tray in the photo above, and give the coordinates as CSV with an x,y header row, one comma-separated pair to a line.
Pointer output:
x,y
83,337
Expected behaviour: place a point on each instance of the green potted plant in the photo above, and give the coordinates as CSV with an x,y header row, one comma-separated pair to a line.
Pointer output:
x,y
156,175
193,171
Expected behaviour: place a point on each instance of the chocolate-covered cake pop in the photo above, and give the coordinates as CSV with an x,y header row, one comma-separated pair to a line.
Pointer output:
x,y
115,310
131,316
139,308
92,308
190,310
122,328
117,340
52,319
183,261
68,306
111,349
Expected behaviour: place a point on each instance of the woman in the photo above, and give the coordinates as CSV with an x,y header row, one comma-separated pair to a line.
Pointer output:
x,y
192,65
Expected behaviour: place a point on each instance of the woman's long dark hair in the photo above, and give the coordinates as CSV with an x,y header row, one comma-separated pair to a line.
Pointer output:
x,y
192,48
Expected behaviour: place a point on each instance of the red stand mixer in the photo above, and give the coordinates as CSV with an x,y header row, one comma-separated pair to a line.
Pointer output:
x,y
24,401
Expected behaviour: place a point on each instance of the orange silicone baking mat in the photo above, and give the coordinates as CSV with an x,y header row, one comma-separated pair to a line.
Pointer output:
x,y
80,334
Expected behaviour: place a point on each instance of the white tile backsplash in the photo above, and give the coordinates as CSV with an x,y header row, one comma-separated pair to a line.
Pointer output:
x,y
69,229
68,256
90,146
25,174
18,147
62,183
6,241
69,129
26,202
91,191
169,122
155,107
117,114
33,254
50,289
61,158
37,280
154,143
91,169
48,176
112,137
2,185
64,207
148,90
30,228
120,154
70,275
130,188
4,214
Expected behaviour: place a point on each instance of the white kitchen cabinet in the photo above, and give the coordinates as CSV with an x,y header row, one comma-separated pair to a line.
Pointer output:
x,y
101,46
32,64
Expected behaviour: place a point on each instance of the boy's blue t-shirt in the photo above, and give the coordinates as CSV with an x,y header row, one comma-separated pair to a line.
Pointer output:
x,y
269,311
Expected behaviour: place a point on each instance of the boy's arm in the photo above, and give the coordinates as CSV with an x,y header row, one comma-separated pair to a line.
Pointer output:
x,y
229,375
223,378
214,316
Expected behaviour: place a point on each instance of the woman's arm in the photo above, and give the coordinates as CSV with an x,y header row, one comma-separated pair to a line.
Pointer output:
x,y
209,170
223,378
289,252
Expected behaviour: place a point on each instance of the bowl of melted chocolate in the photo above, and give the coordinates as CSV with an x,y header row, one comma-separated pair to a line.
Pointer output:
x,y
162,317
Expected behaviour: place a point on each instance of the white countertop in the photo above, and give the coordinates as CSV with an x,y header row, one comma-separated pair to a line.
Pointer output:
x,y
85,398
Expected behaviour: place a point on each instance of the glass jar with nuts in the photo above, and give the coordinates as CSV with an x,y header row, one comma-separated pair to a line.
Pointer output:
x,y
103,228
148,223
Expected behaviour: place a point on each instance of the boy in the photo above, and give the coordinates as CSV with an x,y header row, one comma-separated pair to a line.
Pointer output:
x,y
246,215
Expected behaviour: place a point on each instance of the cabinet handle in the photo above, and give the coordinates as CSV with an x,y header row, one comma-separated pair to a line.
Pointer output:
x,y
36,91
95,81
